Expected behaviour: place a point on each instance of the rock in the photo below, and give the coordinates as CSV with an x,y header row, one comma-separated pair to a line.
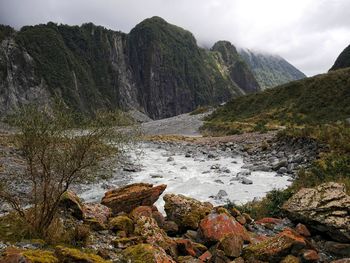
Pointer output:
x,y
215,226
121,223
282,163
275,248
72,203
183,168
310,256
131,169
248,218
231,244
125,242
156,176
188,259
337,249
302,230
206,256
72,255
170,227
141,211
191,234
246,181
241,219
146,253
324,209
343,260
218,181
218,256
126,198
221,194
148,229
186,212
282,170
185,247
170,159
96,215
244,174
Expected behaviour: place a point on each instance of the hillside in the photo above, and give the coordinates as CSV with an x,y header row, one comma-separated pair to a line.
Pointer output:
x,y
157,68
320,99
270,70
343,60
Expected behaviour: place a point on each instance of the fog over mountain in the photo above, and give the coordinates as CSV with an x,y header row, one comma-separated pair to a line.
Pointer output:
x,y
298,30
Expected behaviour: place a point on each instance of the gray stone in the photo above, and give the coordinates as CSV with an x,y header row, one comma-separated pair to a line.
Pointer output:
x,y
246,181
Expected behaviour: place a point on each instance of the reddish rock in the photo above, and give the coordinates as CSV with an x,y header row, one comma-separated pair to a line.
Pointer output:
x,y
310,256
141,211
248,218
206,256
269,220
343,260
302,230
219,257
185,247
275,248
96,213
235,212
125,199
241,220
158,216
232,245
238,260
215,226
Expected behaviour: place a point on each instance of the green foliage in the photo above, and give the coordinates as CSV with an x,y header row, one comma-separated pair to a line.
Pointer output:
x,y
5,31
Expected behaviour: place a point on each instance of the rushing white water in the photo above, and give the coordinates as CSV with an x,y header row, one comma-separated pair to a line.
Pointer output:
x,y
192,177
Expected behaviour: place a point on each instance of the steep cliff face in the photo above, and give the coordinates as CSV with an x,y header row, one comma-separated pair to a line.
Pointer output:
x,y
157,68
343,61
270,70
238,70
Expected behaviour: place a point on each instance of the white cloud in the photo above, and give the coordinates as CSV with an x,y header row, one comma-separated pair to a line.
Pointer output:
x,y
308,33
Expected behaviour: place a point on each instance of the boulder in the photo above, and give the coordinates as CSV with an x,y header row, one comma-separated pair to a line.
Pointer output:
x,y
15,255
146,253
121,223
310,255
275,248
337,249
148,228
215,226
290,259
302,230
232,245
126,198
343,260
72,204
96,215
186,212
325,208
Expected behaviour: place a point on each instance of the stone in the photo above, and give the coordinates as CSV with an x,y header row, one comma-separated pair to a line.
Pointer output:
x,y
141,211
206,256
16,255
246,181
221,194
97,214
121,223
126,198
275,248
343,260
231,244
241,219
324,209
72,255
185,247
186,212
337,249
302,230
148,229
125,242
188,259
215,226
72,203
290,259
170,159
310,256
218,181
146,253
170,227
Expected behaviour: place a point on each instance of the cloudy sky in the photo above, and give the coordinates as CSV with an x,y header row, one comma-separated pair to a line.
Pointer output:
x,y
308,33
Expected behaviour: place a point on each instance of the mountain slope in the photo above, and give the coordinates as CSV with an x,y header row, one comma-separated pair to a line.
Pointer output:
x,y
270,70
157,68
343,60
237,69
321,99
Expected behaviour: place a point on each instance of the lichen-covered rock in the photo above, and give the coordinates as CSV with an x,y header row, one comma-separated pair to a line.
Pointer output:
x,y
141,211
188,259
275,248
15,255
290,259
126,242
146,253
310,255
214,227
121,223
148,228
72,255
325,208
126,198
232,245
186,212
302,230
96,215
72,203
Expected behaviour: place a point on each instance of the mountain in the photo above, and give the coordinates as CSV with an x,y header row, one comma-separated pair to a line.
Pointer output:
x,y
270,70
236,68
343,61
317,100
157,69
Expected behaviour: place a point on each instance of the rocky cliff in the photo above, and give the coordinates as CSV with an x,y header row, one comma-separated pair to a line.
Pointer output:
x,y
157,68
270,70
343,61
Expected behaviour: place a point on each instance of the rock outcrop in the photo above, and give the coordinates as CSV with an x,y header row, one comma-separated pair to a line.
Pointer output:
x,y
343,60
125,199
325,208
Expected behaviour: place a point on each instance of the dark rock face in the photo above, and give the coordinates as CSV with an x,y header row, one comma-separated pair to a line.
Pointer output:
x,y
238,70
157,69
270,70
343,61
